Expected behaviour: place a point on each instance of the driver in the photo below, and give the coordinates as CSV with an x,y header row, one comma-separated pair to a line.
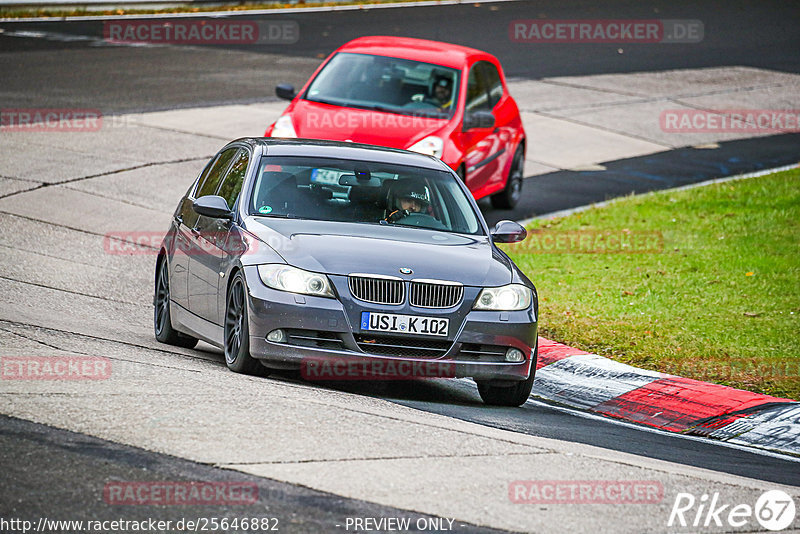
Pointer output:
x,y
407,198
442,93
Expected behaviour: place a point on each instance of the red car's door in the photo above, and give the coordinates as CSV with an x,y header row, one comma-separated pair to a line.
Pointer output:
x,y
505,112
484,148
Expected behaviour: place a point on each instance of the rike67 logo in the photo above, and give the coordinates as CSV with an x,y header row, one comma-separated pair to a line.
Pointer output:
x,y
774,510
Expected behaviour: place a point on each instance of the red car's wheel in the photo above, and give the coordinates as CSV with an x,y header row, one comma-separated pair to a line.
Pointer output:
x,y
509,197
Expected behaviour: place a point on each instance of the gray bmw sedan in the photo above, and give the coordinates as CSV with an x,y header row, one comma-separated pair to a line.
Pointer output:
x,y
347,262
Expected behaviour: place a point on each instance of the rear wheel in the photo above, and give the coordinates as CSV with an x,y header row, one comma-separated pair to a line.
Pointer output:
x,y
514,395
162,323
509,197
237,331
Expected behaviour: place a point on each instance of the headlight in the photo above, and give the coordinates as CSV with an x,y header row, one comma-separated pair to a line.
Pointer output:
x,y
294,280
431,146
284,127
504,298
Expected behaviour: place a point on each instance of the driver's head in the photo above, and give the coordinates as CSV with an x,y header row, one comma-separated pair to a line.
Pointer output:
x,y
442,89
412,196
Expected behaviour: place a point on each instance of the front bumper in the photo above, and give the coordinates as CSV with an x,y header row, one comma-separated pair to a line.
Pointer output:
x,y
321,329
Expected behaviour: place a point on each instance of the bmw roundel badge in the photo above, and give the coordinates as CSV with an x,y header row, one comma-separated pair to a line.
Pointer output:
x,y
405,270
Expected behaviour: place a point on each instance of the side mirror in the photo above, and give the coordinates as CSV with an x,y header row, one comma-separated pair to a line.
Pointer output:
x,y
285,91
212,206
478,119
508,232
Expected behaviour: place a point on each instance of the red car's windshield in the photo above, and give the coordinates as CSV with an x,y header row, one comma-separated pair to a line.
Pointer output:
x,y
386,84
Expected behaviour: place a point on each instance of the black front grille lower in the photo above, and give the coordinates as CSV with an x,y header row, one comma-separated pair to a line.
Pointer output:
x,y
402,346
482,353
314,338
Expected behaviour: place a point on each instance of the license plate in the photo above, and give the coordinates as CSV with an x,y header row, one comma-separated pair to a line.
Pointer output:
x,y
403,324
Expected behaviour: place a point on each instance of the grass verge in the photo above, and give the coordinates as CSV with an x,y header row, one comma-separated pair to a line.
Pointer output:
x,y
702,283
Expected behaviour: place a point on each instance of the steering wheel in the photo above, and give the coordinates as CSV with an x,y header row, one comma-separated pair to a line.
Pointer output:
x,y
421,104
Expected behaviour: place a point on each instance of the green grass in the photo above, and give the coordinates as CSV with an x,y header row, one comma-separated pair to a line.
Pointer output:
x,y
721,301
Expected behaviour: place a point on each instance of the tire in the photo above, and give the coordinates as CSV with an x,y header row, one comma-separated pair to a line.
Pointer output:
x,y
237,331
515,395
509,197
162,321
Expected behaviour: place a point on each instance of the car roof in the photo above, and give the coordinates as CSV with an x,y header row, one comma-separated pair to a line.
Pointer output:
x,y
445,54
343,150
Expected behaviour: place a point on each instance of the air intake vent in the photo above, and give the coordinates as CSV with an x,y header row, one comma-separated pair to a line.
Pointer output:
x,y
402,347
435,293
377,289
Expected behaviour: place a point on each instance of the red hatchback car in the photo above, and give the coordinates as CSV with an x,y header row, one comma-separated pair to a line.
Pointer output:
x,y
445,100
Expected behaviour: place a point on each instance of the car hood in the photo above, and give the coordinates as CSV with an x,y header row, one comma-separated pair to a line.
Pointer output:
x,y
345,248
314,120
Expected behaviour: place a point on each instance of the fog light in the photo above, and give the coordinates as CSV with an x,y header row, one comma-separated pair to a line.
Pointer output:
x,y
279,336
514,355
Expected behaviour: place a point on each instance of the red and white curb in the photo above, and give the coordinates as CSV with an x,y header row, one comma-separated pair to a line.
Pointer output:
x,y
586,381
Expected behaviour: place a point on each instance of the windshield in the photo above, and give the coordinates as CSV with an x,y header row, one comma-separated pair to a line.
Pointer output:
x,y
386,84
361,192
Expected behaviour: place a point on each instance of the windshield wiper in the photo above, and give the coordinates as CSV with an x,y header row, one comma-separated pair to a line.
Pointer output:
x,y
327,101
379,107
276,215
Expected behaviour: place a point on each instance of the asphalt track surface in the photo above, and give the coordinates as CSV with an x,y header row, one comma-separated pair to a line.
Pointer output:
x,y
52,73
72,470
457,399
119,79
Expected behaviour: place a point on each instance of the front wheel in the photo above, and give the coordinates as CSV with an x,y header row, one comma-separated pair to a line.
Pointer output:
x,y
162,323
237,331
514,395
509,197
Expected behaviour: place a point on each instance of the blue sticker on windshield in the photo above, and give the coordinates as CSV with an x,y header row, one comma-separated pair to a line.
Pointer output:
x,y
265,209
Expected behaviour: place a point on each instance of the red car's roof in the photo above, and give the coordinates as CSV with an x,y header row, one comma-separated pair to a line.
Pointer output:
x,y
445,54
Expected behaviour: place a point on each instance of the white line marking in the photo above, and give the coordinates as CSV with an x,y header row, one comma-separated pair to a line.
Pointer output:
x,y
70,38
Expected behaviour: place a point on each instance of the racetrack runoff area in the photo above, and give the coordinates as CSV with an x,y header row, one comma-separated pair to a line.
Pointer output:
x,y
64,294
